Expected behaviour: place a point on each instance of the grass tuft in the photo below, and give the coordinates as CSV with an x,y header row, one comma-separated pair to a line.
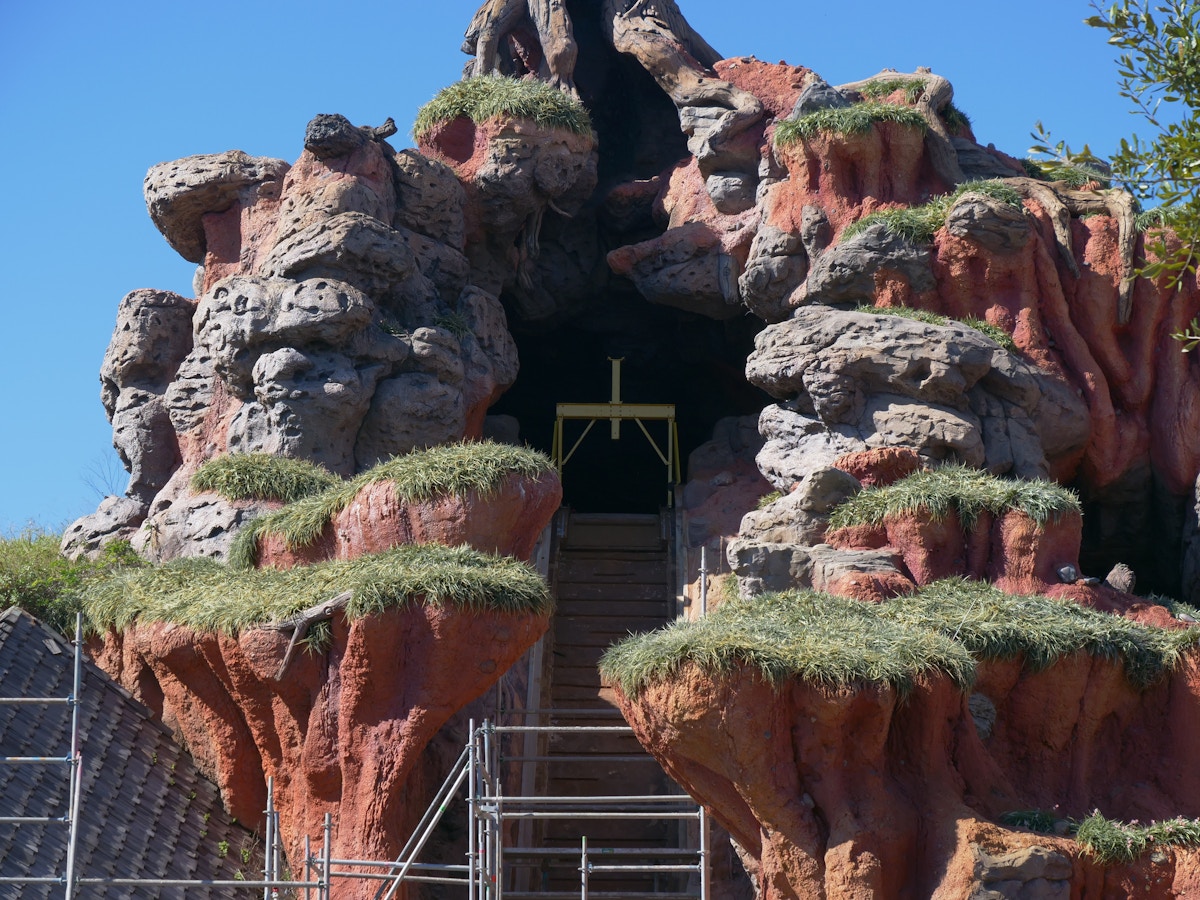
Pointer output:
x,y
992,624
478,466
854,119
987,329
1031,819
488,96
35,576
955,118
767,499
1159,218
878,90
829,641
262,476
918,224
1110,841
943,629
211,597
1072,174
959,489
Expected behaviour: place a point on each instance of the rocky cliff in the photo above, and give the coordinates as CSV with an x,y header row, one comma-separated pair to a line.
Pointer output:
x,y
888,297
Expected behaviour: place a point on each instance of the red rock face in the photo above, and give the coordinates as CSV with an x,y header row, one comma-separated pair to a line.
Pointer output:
x,y
842,794
342,732
850,176
1140,390
880,467
778,86
1013,551
511,169
506,522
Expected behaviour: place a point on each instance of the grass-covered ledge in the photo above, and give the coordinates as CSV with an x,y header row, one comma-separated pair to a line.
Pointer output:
x,y
960,489
480,466
918,224
487,96
262,476
825,640
944,629
1110,841
211,597
855,119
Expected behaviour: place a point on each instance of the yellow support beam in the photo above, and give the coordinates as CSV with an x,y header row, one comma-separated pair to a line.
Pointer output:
x,y
616,412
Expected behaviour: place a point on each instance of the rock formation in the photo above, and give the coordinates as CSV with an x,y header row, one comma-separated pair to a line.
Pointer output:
x,y
862,793
897,295
336,322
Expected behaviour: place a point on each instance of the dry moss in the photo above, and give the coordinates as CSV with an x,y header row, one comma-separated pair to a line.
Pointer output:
x,y
944,629
211,597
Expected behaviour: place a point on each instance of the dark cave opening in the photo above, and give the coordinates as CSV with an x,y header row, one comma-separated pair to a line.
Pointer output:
x,y
668,356
586,315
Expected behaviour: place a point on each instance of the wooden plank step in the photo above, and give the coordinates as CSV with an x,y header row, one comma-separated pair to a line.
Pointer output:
x,y
611,554
610,608
571,567
613,590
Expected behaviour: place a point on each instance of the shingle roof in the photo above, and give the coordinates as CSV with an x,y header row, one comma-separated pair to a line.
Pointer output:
x,y
146,811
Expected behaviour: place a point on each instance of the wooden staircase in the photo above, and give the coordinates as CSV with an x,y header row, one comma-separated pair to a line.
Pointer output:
x,y
613,576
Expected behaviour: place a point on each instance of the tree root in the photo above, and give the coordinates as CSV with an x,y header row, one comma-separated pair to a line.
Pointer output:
x,y
655,33
495,19
1062,202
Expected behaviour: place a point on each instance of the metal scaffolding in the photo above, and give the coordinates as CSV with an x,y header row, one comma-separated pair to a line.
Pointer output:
x,y
493,863
505,860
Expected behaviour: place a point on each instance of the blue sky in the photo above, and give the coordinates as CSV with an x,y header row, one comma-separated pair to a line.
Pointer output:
x,y
92,95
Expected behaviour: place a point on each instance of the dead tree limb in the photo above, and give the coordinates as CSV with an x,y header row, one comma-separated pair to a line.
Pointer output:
x,y
557,36
301,622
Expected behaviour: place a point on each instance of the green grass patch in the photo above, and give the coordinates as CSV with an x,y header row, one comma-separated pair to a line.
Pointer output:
x,y
992,624
854,119
956,488
829,641
767,499
994,332
1031,819
488,96
1160,217
1110,841
455,323
918,224
262,476
878,90
943,629
955,118
35,576
421,475
211,597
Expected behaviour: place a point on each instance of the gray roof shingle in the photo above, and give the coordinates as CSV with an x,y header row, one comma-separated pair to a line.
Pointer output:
x,y
146,811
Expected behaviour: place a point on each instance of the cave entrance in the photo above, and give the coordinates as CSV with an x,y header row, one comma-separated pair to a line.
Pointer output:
x,y
616,412
573,313
669,358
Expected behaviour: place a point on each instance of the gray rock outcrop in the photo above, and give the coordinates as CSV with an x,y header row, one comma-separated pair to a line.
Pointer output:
x,y
336,322
947,391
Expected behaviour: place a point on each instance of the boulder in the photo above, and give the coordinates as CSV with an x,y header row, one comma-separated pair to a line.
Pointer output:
x,y
180,193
